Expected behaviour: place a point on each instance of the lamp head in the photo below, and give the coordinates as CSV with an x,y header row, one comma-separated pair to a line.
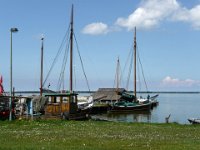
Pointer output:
x,y
14,30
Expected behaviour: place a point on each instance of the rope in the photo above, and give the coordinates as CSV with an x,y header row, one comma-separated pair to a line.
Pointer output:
x,y
82,63
119,73
123,72
57,55
130,69
138,75
61,77
115,81
142,71
129,72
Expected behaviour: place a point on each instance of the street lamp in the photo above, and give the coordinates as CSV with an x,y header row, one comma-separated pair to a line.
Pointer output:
x,y
12,30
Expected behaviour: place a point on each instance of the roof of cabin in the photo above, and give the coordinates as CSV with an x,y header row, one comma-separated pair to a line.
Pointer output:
x,y
105,94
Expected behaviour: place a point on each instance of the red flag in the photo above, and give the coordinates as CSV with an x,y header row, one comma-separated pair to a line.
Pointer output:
x,y
1,80
1,86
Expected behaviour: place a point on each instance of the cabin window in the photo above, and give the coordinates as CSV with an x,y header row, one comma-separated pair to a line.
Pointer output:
x,y
58,99
65,99
73,99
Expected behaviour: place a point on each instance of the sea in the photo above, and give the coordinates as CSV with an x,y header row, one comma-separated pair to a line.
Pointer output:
x,y
179,107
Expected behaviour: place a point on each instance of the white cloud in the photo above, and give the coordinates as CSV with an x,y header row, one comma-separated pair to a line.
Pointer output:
x,y
175,82
96,28
189,15
149,14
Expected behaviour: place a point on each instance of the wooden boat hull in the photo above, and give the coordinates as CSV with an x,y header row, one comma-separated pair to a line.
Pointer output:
x,y
102,108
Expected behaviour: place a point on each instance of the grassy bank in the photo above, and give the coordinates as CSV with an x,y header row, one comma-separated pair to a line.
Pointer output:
x,y
91,135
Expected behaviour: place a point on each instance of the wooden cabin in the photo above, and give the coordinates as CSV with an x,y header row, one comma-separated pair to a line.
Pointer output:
x,y
63,105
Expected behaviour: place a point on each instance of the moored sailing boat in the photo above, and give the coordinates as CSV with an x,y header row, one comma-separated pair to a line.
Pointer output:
x,y
127,101
65,105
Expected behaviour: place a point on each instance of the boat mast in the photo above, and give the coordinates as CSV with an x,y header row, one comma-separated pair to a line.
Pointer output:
x,y
117,74
41,72
135,45
71,51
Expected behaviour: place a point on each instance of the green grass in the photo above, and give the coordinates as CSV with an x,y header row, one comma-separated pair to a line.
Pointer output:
x,y
91,135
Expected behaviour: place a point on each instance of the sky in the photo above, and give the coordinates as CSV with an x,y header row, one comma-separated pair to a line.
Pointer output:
x,y
168,33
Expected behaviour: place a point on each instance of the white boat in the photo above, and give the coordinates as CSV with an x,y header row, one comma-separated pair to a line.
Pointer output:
x,y
85,102
152,100
194,120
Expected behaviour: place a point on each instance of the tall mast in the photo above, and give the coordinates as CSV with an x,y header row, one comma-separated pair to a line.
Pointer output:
x,y
135,45
117,74
41,73
71,51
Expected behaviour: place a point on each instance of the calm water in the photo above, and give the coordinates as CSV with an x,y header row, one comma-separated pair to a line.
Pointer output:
x,y
180,106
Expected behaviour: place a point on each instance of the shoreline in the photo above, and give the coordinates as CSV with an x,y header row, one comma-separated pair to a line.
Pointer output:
x,y
158,92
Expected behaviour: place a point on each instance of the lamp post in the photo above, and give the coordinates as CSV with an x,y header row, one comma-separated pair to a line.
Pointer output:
x,y
12,30
41,73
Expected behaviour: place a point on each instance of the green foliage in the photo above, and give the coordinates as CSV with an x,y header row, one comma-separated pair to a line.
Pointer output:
x,y
94,135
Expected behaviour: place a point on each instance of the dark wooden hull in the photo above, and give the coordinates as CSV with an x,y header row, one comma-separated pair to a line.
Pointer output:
x,y
98,109
154,104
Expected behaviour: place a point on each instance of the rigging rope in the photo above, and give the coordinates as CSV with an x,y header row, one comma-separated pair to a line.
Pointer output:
x,y
119,75
138,75
82,64
138,72
115,79
130,70
142,71
58,53
61,77
123,72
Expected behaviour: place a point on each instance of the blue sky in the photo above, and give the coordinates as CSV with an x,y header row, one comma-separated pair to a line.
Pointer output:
x,y
168,33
